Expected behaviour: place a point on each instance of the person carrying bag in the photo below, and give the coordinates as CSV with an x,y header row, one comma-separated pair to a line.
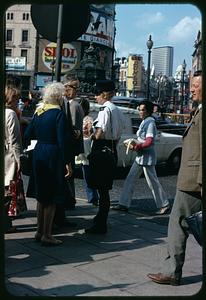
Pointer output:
x,y
16,194
103,158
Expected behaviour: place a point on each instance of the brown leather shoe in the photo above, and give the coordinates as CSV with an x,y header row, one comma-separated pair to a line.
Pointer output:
x,y
164,279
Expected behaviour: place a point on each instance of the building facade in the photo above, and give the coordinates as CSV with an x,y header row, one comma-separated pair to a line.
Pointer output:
x,y
135,75
20,44
162,59
33,57
197,54
131,76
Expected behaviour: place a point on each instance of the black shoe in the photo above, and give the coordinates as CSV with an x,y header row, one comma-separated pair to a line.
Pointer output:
x,y
96,230
120,207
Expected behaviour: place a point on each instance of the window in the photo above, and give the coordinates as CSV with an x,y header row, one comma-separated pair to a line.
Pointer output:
x,y
25,35
25,16
23,53
9,35
10,16
8,52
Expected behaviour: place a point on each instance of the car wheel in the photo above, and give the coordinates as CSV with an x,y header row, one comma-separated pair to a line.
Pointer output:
x,y
175,160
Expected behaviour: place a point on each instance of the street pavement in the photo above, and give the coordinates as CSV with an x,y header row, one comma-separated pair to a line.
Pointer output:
x,y
114,264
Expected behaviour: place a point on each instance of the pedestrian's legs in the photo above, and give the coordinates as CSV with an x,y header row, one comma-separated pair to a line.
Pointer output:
x,y
104,205
92,194
184,205
72,186
40,221
49,212
155,186
100,220
128,187
47,238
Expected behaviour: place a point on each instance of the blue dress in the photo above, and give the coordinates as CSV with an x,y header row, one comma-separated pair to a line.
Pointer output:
x,y
50,155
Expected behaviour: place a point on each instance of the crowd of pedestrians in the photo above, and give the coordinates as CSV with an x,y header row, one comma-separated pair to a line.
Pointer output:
x,y
63,129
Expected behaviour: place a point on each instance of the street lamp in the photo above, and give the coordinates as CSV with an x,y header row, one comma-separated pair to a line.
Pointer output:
x,y
182,85
149,46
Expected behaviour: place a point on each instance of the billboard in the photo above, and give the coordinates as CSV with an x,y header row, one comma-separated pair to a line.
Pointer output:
x,y
101,29
47,56
15,63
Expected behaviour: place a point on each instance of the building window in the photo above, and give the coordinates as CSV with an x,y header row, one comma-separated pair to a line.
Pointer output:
x,y
9,35
10,16
8,52
25,16
25,35
24,53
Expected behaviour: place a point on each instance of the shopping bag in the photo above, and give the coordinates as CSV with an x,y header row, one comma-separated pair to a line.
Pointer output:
x,y
18,202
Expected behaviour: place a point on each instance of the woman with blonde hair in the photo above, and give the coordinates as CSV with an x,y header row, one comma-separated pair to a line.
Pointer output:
x,y
51,159
12,142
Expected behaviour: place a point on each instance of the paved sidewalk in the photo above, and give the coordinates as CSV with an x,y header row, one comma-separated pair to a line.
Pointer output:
x,y
114,264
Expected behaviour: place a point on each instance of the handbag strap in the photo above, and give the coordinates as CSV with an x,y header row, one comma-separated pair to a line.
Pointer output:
x,y
110,114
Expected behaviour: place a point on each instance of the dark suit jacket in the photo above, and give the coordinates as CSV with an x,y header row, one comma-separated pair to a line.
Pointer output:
x,y
190,173
75,116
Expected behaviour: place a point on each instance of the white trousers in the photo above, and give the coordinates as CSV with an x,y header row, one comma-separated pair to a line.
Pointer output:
x,y
152,181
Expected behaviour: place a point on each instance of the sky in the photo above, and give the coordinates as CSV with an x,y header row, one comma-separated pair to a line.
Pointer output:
x,y
173,25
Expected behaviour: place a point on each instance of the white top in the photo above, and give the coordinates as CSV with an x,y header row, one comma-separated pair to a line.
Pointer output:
x,y
111,120
147,128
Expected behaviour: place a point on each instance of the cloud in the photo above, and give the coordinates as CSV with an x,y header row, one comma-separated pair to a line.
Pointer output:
x,y
123,49
150,19
184,30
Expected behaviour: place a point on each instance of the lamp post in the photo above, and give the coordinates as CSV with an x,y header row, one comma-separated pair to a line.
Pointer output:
x,y
149,46
52,65
182,86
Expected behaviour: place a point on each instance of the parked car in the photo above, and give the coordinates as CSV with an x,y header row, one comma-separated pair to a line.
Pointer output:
x,y
130,102
163,124
168,146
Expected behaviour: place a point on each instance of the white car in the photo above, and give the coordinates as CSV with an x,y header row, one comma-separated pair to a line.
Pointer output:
x,y
168,146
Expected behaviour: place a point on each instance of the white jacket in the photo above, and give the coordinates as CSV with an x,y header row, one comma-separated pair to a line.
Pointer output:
x,y
12,145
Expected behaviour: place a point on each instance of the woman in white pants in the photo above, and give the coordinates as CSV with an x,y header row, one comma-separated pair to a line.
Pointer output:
x,y
145,161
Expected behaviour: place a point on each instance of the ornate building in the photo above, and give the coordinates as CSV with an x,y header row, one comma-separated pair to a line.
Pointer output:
x,y
32,57
197,54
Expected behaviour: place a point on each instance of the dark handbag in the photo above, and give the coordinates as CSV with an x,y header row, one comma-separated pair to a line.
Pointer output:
x,y
17,203
195,226
102,164
26,163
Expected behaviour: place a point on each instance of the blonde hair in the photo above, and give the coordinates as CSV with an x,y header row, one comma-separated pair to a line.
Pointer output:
x,y
11,94
53,93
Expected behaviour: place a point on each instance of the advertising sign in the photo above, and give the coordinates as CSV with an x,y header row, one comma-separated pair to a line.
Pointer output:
x,y
43,79
69,57
101,29
15,63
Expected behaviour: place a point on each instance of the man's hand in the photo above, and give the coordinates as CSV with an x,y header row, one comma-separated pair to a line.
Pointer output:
x,y
77,134
69,171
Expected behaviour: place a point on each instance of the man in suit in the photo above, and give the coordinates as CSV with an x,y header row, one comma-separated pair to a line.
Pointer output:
x,y
188,196
75,115
75,119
